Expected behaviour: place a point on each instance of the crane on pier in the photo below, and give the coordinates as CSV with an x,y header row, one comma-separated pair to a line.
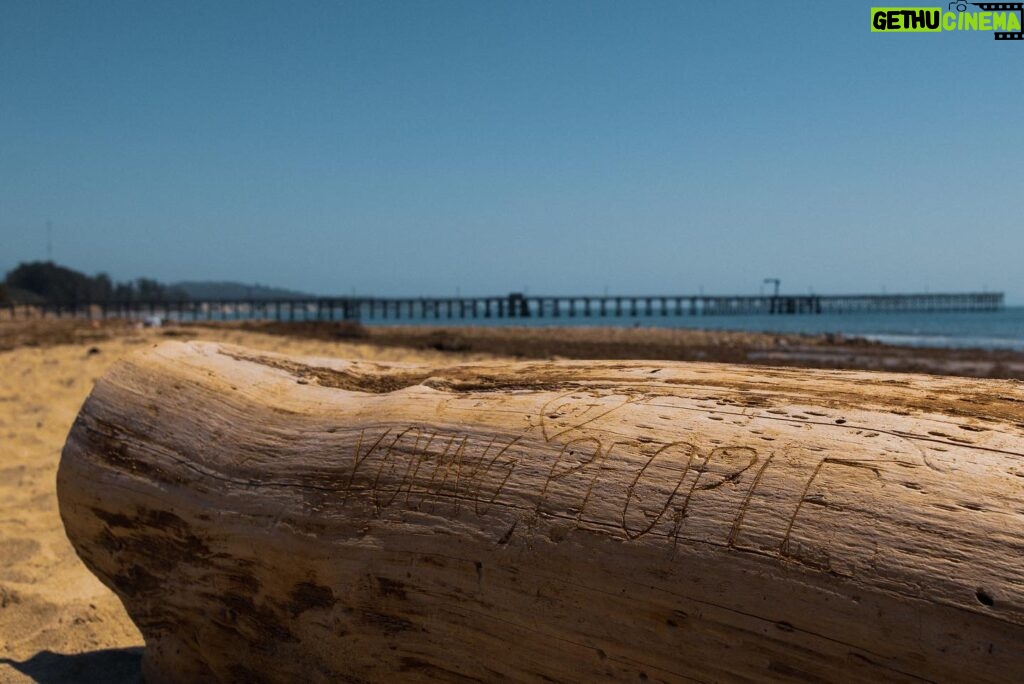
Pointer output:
x,y
773,281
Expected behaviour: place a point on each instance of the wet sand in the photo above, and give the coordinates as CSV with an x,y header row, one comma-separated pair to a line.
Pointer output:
x,y
58,623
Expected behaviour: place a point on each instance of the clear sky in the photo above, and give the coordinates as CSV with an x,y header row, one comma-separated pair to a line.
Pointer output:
x,y
565,147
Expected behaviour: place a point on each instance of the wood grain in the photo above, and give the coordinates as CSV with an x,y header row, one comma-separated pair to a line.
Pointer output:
x,y
267,518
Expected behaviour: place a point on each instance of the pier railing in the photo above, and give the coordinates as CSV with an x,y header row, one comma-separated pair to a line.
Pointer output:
x,y
514,305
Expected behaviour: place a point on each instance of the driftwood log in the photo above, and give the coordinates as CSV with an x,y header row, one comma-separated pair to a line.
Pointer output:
x,y
271,518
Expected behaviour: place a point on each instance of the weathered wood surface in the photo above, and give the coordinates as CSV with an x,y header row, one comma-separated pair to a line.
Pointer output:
x,y
267,518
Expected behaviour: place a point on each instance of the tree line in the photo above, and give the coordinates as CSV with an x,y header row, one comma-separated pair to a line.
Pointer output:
x,y
47,282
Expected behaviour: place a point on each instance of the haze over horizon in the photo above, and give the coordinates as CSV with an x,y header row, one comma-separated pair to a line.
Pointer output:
x,y
402,148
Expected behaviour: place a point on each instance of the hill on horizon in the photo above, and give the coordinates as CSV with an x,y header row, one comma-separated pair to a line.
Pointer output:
x,y
210,289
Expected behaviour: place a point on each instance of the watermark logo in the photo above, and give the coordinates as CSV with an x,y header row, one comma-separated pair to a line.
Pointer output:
x,y
998,17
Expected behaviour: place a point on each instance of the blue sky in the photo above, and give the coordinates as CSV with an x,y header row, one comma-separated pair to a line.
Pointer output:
x,y
565,147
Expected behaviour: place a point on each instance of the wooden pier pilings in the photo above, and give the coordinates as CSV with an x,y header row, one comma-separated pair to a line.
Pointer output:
x,y
514,305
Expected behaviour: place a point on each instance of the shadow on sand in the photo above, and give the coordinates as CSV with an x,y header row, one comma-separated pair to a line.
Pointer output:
x,y
110,666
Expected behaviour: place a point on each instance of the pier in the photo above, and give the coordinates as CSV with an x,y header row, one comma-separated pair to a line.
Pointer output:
x,y
514,305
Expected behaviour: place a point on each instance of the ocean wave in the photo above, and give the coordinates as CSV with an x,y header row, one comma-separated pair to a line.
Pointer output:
x,y
955,341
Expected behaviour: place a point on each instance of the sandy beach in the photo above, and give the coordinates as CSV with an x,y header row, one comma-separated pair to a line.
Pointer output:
x,y
58,623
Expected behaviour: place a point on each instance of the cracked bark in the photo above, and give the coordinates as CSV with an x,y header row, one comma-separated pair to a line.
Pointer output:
x,y
266,518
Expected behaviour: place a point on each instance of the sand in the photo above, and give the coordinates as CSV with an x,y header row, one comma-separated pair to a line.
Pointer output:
x,y
58,623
